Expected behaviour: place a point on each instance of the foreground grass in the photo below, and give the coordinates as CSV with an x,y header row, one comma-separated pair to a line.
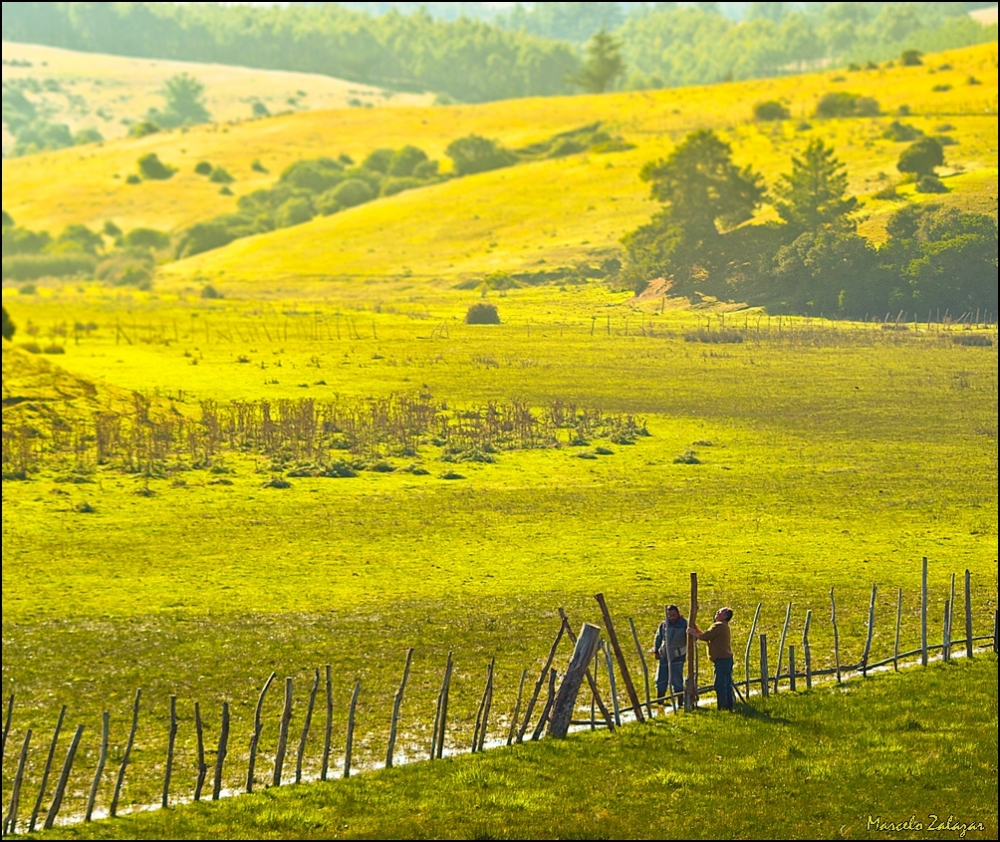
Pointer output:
x,y
919,744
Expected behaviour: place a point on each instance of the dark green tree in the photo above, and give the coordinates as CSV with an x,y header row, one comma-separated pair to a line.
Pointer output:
x,y
813,193
603,63
921,157
185,102
473,154
8,326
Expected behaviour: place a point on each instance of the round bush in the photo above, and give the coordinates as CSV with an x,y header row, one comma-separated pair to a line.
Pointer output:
x,y
770,110
203,168
352,192
153,168
393,186
482,313
293,212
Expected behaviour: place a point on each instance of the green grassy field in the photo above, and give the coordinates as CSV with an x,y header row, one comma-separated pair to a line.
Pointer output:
x,y
833,763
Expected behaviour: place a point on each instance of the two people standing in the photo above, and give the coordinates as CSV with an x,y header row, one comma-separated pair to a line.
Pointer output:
x,y
671,652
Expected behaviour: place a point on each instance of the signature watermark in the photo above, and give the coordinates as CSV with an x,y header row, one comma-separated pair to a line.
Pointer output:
x,y
933,824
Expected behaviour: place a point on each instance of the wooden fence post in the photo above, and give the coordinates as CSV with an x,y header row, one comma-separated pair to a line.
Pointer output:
x,y
480,729
995,631
871,632
171,739
691,688
48,768
489,704
791,668
305,728
539,683
128,751
329,725
350,728
547,709
781,645
611,682
445,692
899,620
836,637
6,727
10,823
396,705
220,757
591,679
945,639
642,663
517,709
968,615
807,651
63,779
565,703
105,733
286,718
620,657
763,666
750,639
202,766
923,613
258,726
951,613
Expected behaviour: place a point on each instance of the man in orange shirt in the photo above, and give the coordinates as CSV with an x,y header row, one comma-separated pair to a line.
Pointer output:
x,y
720,651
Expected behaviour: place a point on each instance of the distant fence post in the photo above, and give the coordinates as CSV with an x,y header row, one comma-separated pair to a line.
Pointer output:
x,y
968,615
791,667
489,704
645,669
750,639
396,705
350,728
547,707
125,756
445,693
517,709
286,718
609,664
48,768
305,728
328,734
763,666
202,766
257,728
923,613
171,740
63,779
565,703
6,727
806,651
10,823
836,637
105,733
540,682
781,645
945,639
871,632
220,757
899,620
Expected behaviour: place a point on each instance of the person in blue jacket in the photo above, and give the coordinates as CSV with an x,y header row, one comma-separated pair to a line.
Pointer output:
x,y
671,652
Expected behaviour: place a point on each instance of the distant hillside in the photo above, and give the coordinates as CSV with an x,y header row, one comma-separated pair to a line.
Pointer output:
x,y
111,93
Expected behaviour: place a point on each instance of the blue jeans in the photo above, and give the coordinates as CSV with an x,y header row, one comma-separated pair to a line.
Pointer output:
x,y
724,683
676,669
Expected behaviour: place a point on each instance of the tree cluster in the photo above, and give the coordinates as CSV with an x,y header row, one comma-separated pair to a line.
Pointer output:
x,y
812,262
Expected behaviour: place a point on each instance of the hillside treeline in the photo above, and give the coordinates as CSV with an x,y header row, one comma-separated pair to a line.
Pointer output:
x,y
521,53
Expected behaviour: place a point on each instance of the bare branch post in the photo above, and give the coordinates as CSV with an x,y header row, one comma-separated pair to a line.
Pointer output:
x,y
220,757
101,760
620,657
63,779
763,666
691,688
968,615
517,708
171,740
550,697
126,755
258,726
489,704
437,723
350,728
6,727
202,766
642,663
806,651
945,639
329,725
791,668
286,718
610,664
871,632
397,703
10,823
443,720
836,637
48,768
565,702
750,640
923,613
538,684
305,728
781,644
899,622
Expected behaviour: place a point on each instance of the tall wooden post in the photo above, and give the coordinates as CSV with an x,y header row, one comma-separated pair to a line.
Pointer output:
x,y
126,755
445,692
836,636
968,615
350,728
763,666
807,651
923,613
48,768
791,668
620,657
899,620
105,733
645,669
286,718
171,740
257,728
202,766
305,728
871,632
220,756
781,645
328,732
63,779
397,703
10,823
691,687
565,703
750,639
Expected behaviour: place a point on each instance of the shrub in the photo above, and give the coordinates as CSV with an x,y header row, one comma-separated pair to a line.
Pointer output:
x,y
220,176
8,220
23,241
612,146
475,154
87,136
426,170
210,292
8,326
143,128
26,267
110,229
910,58
392,186
153,168
146,238
204,236
843,104
566,146
132,178
132,267
258,109
770,110
482,313
314,175
77,238
257,166
379,160
203,168
901,132
293,212
921,157
352,192
405,161
225,191
930,184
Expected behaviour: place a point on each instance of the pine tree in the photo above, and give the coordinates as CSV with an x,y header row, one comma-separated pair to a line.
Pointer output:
x,y
604,62
812,194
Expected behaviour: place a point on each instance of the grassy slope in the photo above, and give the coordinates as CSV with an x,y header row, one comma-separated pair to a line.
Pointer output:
x,y
124,89
587,202
815,766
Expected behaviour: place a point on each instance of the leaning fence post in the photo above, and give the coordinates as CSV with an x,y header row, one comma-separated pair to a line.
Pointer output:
x,y
871,632
397,703
620,657
125,756
517,709
995,631
923,613
750,638
350,728
968,615
286,718
565,702
202,766
257,728
63,779
171,739
899,620
105,728
220,758
6,727
547,709
945,640
591,679
10,823
443,706
836,637
791,668
807,651
489,704
645,669
48,768
763,665
305,728
781,645
611,682
541,681
329,725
